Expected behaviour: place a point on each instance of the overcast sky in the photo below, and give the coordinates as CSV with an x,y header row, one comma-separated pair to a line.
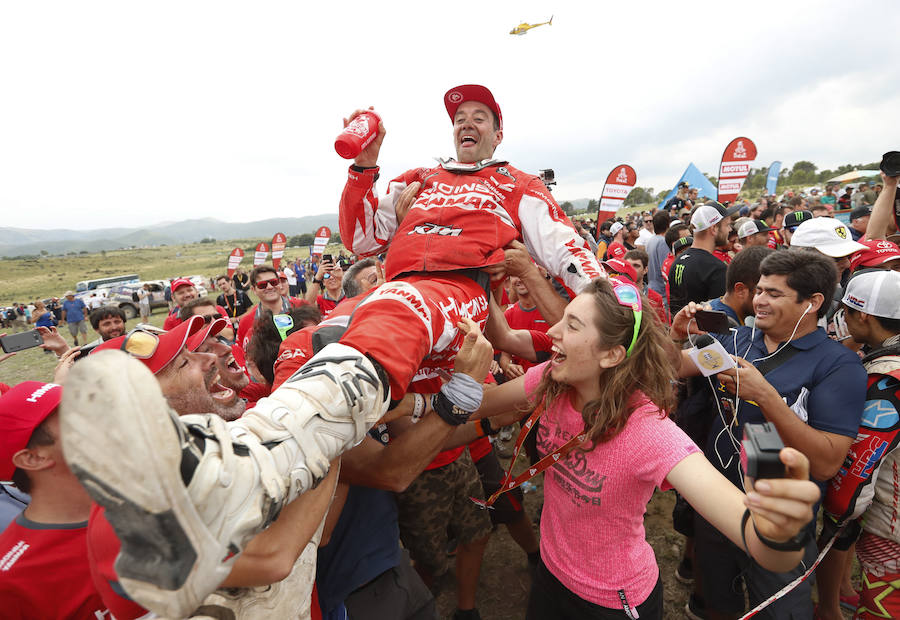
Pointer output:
x,y
124,113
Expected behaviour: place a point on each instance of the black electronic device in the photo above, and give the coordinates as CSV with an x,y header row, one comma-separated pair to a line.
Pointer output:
x,y
890,163
714,321
327,257
12,343
760,451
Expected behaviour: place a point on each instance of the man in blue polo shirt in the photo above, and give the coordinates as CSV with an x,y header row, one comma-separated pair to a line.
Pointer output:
x,y
73,311
791,374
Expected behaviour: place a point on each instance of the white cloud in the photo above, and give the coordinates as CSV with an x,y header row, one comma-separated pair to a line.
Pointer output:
x,y
123,114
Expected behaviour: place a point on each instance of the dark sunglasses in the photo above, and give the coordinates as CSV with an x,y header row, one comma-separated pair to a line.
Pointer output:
x,y
272,282
209,318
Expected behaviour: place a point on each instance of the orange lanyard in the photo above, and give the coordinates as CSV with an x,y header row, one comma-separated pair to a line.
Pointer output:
x,y
509,482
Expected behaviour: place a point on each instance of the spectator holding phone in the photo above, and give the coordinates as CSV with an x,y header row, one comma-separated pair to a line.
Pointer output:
x,y
325,289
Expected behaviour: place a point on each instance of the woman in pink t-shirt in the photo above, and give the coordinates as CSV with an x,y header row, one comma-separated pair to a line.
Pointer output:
x,y
611,379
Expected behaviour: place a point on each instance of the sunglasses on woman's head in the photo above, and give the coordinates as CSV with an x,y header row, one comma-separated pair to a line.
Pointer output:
x,y
627,295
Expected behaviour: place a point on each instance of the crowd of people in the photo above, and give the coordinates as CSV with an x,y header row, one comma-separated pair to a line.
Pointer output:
x,y
316,453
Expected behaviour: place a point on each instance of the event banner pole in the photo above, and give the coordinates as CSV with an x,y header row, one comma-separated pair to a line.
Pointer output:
x,y
736,161
619,183
262,252
237,255
772,177
322,237
278,243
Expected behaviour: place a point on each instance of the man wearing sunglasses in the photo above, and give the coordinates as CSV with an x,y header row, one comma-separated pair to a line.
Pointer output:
x,y
265,283
791,221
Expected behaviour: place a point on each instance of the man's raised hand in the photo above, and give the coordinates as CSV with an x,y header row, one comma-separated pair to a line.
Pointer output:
x,y
369,156
475,355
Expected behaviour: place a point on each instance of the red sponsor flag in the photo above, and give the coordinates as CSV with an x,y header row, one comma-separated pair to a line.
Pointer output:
x,y
735,166
278,243
619,183
322,237
262,253
237,255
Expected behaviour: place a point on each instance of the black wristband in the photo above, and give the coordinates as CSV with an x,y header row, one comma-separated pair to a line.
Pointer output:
x,y
449,413
356,168
744,529
797,543
486,427
319,282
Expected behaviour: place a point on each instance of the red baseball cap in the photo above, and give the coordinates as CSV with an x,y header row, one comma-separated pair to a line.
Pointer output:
x,y
177,283
168,344
213,328
616,250
622,268
877,252
458,95
22,409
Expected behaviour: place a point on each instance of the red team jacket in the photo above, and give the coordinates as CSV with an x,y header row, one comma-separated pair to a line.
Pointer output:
x,y
462,218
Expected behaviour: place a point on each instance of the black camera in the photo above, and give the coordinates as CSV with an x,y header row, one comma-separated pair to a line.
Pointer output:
x,y
759,451
890,163
548,177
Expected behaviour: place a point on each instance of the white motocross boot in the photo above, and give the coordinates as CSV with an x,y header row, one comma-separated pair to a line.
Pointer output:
x,y
185,494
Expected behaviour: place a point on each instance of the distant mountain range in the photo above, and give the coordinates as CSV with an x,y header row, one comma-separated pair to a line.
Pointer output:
x,y
25,241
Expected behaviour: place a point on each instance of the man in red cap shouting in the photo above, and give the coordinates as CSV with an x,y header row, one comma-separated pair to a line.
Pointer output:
x,y
443,228
42,553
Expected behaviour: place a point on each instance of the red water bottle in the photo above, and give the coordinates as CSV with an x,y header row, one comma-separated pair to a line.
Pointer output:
x,y
357,135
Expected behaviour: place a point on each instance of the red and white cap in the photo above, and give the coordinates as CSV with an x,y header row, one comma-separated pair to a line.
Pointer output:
x,y
213,328
170,343
177,283
877,252
458,95
616,250
622,268
22,409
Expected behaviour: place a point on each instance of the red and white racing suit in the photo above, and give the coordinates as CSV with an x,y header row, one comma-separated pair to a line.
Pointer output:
x,y
462,218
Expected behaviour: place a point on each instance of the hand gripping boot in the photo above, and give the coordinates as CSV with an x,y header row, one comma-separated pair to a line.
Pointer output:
x,y
185,494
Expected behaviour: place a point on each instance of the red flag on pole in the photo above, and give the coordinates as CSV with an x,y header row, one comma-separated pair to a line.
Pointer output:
x,y
237,255
735,166
262,253
322,237
278,243
619,183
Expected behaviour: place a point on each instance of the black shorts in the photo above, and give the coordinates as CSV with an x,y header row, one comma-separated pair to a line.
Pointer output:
x,y
726,570
509,507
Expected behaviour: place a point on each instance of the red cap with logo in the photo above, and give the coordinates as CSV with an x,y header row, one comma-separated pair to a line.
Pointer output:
x,y
22,409
177,283
616,250
877,252
156,349
458,95
622,268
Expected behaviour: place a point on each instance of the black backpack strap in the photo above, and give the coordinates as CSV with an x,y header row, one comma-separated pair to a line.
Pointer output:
x,y
768,365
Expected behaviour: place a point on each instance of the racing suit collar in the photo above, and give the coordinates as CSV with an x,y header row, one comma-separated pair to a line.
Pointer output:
x,y
452,165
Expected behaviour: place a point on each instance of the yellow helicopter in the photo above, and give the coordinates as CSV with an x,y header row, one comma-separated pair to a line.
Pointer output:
x,y
525,27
